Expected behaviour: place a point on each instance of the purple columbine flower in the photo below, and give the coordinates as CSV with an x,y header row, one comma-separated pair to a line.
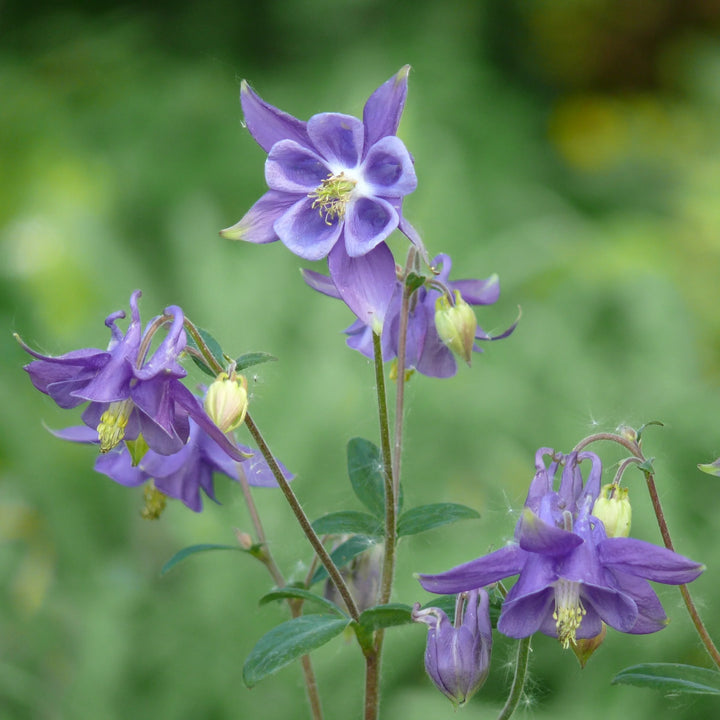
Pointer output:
x,y
185,473
336,186
130,392
457,659
425,351
572,577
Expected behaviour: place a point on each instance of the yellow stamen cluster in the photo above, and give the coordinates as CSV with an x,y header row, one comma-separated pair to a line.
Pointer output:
x,y
569,611
332,195
113,421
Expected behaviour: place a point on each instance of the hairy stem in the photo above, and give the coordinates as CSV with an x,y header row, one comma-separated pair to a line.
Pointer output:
x,y
518,683
302,518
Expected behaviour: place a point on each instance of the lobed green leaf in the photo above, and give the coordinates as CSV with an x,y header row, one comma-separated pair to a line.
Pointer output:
x,y
347,522
365,468
253,358
301,594
289,641
671,678
180,555
425,517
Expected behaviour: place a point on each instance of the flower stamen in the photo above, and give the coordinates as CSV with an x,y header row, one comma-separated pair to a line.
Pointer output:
x,y
113,421
569,611
332,195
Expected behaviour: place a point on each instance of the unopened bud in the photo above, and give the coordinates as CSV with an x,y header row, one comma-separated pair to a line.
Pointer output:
x,y
226,401
244,539
457,658
155,502
613,509
456,325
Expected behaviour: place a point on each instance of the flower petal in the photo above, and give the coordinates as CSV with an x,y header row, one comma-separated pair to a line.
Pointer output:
x,y
338,139
322,283
364,283
525,615
117,465
292,168
478,292
267,124
381,115
651,616
645,560
304,231
368,221
256,226
388,169
477,573
537,536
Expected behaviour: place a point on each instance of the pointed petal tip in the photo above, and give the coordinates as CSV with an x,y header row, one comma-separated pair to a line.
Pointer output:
x,y
234,232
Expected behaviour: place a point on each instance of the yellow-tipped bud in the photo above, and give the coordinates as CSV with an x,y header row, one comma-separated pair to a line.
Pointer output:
x,y
613,508
227,400
456,325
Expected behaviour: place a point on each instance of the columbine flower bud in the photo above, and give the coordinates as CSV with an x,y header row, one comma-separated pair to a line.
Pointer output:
x,y
362,577
457,659
613,508
456,325
226,401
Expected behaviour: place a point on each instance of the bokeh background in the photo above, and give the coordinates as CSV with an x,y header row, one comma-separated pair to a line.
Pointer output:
x,y
573,148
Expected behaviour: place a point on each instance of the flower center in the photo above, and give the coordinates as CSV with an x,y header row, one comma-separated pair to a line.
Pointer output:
x,y
569,611
113,421
332,195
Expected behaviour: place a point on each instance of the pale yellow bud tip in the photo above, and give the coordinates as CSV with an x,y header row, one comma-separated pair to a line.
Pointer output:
x,y
227,400
456,325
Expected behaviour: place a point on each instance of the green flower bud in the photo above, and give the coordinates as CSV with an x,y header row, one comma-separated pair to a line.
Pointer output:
x,y
227,400
456,325
613,508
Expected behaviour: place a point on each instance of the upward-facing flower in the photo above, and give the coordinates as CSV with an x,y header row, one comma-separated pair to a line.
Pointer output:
x,y
425,351
336,184
129,391
572,577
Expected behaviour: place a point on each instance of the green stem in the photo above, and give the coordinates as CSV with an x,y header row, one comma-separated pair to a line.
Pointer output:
x,y
390,521
400,380
518,683
302,518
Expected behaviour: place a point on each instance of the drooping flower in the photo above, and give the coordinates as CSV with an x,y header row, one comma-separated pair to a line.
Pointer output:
x,y
425,351
457,658
130,392
572,577
336,186
181,475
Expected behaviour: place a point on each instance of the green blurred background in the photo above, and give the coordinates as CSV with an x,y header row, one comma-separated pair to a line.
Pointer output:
x,y
573,148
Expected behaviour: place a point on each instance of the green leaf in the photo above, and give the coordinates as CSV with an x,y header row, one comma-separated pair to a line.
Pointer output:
x,y
301,594
347,522
289,641
253,358
647,466
365,468
425,517
344,553
413,281
383,616
180,555
214,347
671,678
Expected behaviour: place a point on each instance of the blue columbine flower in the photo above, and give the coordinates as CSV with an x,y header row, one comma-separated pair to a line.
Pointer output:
x,y
185,473
130,392
457,658
336,186
572,577
425,351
